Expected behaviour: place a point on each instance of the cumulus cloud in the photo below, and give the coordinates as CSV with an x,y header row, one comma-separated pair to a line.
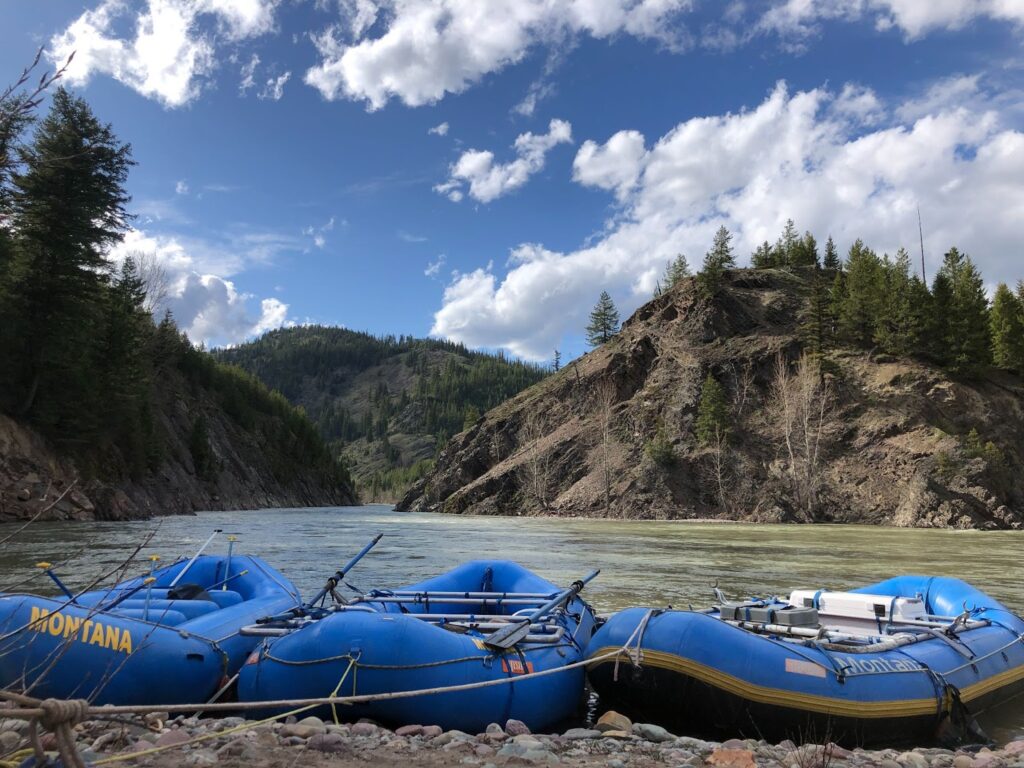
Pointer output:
x,y
206,304
794,155
614,165
487,180
439,130
429,48
170,48
914,18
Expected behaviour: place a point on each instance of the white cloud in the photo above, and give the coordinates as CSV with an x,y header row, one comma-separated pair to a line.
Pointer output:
x,y
434,267
169,49
914,18
274,89
248,73
433,47
794,155
614,165
488,180
181,187
205,303
439,130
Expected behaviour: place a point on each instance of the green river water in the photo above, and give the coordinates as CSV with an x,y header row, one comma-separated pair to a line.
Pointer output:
x,y
641,562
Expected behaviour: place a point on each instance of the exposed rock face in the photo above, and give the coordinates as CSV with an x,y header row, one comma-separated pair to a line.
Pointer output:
x,y
895,442
33,476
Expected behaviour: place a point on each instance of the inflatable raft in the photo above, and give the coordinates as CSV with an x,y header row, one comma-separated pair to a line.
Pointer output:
x,y
434,634
909,660
143,642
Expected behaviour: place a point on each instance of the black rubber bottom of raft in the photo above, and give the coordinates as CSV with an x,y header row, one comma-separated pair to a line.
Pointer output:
x,y
691,707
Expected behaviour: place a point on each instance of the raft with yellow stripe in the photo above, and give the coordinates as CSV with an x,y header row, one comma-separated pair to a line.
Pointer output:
x,y
910,660
169,637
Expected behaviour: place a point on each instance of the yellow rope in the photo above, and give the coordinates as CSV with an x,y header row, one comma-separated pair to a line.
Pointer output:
x,y
218,734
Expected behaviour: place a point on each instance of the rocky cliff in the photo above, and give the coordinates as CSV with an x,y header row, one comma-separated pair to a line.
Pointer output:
x,y
875,440
243,470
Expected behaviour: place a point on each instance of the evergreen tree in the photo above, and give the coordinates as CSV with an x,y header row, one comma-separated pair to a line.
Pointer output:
x,y
721,250
763,257
831,260
968,336
805,252
861,309
1007,321
786,246
675,271
712,412
604,321
68,207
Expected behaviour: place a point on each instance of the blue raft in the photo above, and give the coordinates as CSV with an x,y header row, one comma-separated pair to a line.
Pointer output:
x,y
110,648
429,635
909,660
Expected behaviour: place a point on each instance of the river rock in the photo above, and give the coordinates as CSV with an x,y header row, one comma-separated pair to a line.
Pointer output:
x,y
516,727
332,743
578,734
363,729
724,757
408,731
651,732
173,738
613,721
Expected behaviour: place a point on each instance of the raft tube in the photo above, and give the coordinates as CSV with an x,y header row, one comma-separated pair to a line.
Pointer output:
x,y
177,652
701,676
379,647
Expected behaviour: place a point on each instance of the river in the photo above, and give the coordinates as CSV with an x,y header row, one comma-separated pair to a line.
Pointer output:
x,y
642,562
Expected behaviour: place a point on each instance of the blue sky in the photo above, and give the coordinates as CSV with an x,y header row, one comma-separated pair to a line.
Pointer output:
x,y
482,169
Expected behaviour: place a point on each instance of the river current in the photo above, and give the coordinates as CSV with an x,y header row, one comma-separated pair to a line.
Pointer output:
x,y
654,563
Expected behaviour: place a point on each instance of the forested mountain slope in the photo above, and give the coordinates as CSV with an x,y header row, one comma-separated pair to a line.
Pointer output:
x,y
104,413
791,394
387,403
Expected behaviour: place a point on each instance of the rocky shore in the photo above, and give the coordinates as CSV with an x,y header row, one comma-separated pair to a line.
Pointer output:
x,y
614,741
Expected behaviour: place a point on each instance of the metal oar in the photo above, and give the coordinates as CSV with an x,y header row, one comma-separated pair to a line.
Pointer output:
x,y
505,638
195,557
333,581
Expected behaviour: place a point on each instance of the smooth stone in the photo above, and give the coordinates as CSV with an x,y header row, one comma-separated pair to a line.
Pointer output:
x,y
173,738
409,730
724,757
516,727
201,757
431,731
329,742
302,731
613,721
914,759
651,732
577,734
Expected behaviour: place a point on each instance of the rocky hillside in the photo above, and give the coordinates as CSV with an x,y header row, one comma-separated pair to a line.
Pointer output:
x,y
871,438
219,440
384,404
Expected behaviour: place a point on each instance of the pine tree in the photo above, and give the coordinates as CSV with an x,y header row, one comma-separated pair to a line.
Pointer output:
x,y
785,248
721,250
68,207
675,271
763,257
861,309
1007,321
712,412
831,260
968,336
604,321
